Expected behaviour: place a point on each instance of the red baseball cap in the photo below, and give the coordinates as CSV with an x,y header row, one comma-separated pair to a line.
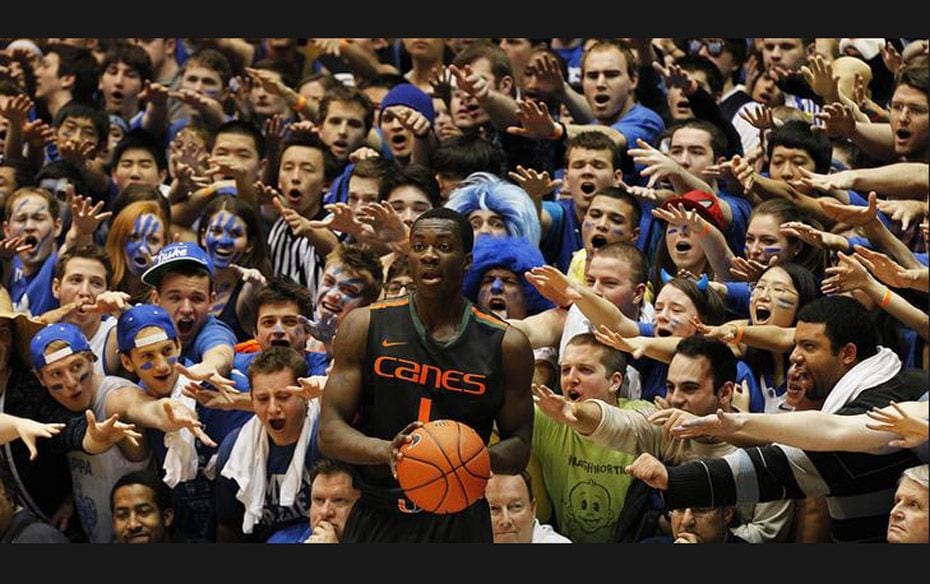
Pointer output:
x,y
704,203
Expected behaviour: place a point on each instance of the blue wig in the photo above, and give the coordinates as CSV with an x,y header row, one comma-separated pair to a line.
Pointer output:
x,y
481,190
512,253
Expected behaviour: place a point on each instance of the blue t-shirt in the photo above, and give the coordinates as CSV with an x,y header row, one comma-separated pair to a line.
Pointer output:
x,y
735,232
756,397
33,292
213,333
737,300
572,57
563,238
339,190
640,123
298,533
229,510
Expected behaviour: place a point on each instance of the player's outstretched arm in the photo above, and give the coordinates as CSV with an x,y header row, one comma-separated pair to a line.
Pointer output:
x,y
342,396
515,418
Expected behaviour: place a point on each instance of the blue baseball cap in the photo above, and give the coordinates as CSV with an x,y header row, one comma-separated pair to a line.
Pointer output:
x,y
70,334
173,255
139,317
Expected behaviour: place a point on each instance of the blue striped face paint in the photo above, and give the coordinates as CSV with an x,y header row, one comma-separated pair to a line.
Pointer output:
x,y
339,292
30,218
145,241
146,366
226,239
771,251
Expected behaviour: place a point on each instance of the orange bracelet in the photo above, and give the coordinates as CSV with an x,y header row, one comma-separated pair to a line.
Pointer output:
x,y
739,335
301,103
886,299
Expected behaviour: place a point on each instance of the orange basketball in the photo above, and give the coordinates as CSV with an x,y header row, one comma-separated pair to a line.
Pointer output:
x,y
445,467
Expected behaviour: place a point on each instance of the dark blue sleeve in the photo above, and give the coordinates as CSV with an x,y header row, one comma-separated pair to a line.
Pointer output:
x,y
317,363
735,232
756,399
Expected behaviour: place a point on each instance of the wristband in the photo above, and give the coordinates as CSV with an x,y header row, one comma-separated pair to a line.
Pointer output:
x,y
886,299
300,104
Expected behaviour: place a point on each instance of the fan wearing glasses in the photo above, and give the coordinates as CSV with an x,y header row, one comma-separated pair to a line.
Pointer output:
x,y
728,55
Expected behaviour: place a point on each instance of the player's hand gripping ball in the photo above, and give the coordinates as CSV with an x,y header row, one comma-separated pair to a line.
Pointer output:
x,y
445,467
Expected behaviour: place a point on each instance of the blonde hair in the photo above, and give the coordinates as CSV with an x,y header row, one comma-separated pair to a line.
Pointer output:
x,y
121,229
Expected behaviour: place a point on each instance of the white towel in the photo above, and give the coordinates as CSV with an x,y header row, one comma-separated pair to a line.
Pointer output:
x,y
181,459
248,462
875,370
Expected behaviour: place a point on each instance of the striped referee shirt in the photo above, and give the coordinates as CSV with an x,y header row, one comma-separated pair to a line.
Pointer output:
x,y
295,257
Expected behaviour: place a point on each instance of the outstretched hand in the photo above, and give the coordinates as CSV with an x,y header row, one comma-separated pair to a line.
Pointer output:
x,y
553,285
553,405
913,431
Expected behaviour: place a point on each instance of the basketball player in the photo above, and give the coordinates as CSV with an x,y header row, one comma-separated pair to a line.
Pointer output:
x,y
428,356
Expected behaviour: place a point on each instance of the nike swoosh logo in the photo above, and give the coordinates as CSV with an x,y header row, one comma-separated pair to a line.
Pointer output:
x,y
386,343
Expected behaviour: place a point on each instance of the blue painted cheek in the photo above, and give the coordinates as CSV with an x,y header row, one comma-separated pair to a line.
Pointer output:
x,y
770,251
146,366
172,360
617,232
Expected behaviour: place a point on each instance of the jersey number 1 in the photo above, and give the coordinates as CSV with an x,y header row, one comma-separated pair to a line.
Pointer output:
x,y
425,405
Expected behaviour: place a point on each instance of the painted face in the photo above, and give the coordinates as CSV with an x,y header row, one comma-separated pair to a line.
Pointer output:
x,y
280,411
587,173
487,222
583,375
144,243
673,313
610,278
120,85
136,516
813,355
689,386
83,280
908,521
607,85
70,381
686,251
154,361
343,130
362,190
512,512
409,202
331,498
300,177
708,524
691,148
340,292
399,139
774,299
278,325
764,240
501,294
909,122
607,221
136,165
203,80
226,239
31,219
188,300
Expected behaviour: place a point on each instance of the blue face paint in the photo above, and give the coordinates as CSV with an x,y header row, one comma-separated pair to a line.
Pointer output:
x,y
336,295
770,251
783,302
146,366
172,360
672,230
222,233
497,286
139,251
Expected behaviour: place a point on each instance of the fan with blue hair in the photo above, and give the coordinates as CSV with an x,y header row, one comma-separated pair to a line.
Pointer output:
x,y
510,253
484,191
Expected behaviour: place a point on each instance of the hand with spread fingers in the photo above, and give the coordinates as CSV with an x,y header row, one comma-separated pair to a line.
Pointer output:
x,y
913,431
536,184
553,285
180,416
110,431
553,405
27,430
204,373
403,437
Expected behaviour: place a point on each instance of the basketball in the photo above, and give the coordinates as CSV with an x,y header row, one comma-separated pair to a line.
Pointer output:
x,y
445,467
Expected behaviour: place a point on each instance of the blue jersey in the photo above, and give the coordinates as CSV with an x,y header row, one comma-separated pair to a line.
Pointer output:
x,y
563,238
213,333
33,293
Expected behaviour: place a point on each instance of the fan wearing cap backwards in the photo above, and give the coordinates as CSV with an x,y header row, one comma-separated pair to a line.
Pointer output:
x,y
64,364
150,348
43,482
